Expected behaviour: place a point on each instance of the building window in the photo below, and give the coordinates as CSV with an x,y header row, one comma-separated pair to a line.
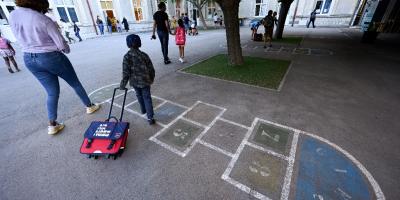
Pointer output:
x,y
322,7
66,10
10,8
211,10
261,8
138,10
106,4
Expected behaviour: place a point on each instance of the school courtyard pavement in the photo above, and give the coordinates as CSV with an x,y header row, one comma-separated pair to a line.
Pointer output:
x,y
330,132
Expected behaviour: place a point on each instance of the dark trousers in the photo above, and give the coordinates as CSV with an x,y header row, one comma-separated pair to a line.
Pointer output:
x,y
164,39
311,21
144,98
78,36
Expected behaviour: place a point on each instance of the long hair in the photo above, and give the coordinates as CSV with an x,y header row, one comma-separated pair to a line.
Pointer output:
x,y
180,23
41,6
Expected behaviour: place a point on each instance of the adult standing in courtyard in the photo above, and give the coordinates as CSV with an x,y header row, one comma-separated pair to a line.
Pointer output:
x,y
44,48
125,23
313,15
162,25
100,24
109,25
268,23
186,22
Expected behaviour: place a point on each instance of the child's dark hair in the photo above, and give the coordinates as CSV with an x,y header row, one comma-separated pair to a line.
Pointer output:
x,y
133,41
180,23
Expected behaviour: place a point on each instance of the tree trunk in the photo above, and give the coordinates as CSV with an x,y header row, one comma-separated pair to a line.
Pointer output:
x,y
230,8
282,18
203,21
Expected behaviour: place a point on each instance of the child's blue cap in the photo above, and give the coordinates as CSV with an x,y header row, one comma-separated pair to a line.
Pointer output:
x,y
133,41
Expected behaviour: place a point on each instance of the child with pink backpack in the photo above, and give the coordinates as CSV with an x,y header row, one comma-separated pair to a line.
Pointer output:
x,y
180,39
8,53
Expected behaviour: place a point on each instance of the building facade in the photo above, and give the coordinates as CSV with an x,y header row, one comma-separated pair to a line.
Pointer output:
x,y
329,12
139,12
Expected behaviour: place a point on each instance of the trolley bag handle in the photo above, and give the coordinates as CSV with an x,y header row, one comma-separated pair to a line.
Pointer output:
x,y
112,104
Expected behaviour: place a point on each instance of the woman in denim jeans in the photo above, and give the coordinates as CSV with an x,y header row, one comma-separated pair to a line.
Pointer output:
x,y
44,48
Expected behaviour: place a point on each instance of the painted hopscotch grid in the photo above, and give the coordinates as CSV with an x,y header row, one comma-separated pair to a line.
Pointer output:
x,y
197,139
245,142
287,49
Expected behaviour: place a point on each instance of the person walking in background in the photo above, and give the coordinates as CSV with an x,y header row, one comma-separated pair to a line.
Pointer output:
x,y
126,25
216,20
162,25
186,22
100,24
313,15
76,30
221,21
109,25
174,23
65,28
114,24
138,69
180,39
268,23
119,26
44,48
7,52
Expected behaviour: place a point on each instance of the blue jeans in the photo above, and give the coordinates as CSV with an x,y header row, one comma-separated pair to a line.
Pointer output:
x,y
47,67
109,29
164,39
101,29
144,98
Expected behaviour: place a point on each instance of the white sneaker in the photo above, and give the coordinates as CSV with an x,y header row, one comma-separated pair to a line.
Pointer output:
x,y
181,60
52,130
92,109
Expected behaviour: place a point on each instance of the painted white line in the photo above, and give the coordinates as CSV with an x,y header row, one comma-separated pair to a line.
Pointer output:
x,y
212,105
284,77
193,122
129,104
167,146
378,191
234,123
172,149
231,164
216,148
278,125
102,88
227,81
267,151
159,105
204,132
289,168
136,113
177,104
245,188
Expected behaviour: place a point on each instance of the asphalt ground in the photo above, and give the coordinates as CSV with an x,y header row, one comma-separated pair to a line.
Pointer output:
x,y
338,91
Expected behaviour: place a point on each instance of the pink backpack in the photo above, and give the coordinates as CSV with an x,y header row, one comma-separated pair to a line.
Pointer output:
x,y
4,43
180,37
